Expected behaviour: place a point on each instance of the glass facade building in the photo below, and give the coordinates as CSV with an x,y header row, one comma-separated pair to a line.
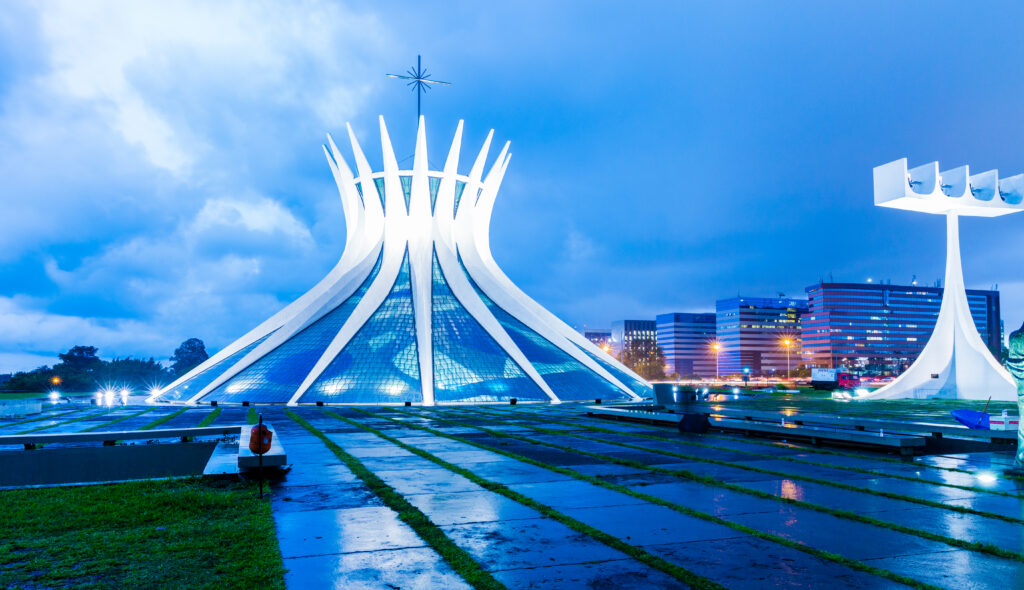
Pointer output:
x,y
685,339
751,332
626,333
880,329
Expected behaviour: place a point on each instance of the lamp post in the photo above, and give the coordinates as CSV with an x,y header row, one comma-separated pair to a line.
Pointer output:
x,y
716,347
788,343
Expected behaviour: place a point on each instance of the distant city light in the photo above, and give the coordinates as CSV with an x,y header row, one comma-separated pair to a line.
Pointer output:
x,y
869,279
124,397
54,396
735,389
108,397
55,380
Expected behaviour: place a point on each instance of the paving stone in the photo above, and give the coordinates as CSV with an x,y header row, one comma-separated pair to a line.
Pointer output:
x,y
747,562
721,472
321,532
573,494
856,541
955,569
465,507
527,543
373,570
625,574
467,457
518,473
709,499
324,496
644,524
431,480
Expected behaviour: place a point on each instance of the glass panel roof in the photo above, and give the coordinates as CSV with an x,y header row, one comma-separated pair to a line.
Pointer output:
x,y
567,377
187,389
278,375
469,365
380,364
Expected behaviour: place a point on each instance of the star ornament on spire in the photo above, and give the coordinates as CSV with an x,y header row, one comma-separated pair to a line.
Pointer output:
x,y
420,82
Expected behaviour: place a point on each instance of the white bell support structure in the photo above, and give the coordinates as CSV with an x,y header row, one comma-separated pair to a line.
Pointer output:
x,y
955,363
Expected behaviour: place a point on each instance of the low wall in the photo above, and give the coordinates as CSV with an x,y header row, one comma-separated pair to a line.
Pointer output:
x,y
19,407
61,465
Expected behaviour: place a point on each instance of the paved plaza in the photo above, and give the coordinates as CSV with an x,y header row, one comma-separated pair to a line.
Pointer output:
x,y
547,497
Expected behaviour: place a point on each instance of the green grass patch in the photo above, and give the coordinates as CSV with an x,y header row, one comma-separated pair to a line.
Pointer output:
x,y
852,563
686,576
178,533
121,419
66,422
460,561
163,419
210,417
45,396
689,475
41,418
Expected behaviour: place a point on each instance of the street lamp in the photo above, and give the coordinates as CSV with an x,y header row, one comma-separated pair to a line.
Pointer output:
x,y
788,343
716,347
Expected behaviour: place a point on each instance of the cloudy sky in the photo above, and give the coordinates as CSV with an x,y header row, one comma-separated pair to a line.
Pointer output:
x,y
161,174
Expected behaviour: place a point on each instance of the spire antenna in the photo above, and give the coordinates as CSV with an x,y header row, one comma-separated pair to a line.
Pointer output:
x,y
419,80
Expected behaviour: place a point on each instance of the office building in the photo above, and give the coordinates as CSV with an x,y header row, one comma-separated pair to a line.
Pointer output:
x,y
685,339
753,332
879,329
632,332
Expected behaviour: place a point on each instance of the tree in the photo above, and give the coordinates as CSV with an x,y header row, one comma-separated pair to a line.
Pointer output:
x,y
135,374
645,358
35,381
79,368
80,358
188,356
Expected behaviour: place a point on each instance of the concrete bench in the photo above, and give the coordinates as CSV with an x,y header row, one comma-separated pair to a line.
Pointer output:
x,y
770,423
275,457
904,443
866,424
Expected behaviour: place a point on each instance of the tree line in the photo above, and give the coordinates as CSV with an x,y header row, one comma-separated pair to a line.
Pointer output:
x,y
81,369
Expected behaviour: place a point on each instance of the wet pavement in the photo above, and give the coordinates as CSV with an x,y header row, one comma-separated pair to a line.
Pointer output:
x,y
732,521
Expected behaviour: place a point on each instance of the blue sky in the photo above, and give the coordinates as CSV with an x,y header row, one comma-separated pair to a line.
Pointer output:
x,y
163,178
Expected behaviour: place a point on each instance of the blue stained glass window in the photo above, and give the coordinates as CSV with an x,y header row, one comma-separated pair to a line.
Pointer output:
x,y
380,364
278,375
379,182
459,187
638,386
435,184
567,377
189,388
406,189
469,365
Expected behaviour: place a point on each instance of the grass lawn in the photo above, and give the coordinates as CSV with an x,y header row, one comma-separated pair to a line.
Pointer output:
x,y
7,395
180,533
